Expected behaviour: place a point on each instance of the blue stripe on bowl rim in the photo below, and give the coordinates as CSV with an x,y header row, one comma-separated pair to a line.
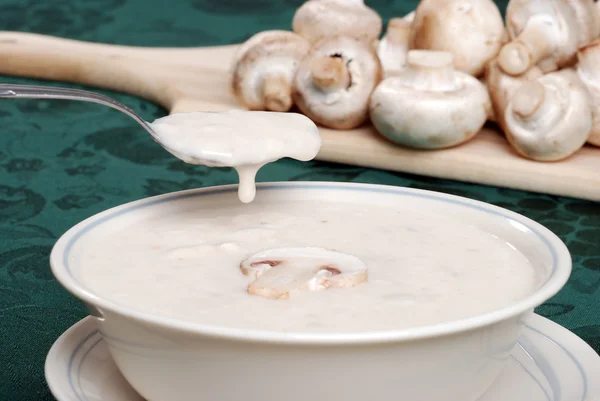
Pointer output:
x,y
560,258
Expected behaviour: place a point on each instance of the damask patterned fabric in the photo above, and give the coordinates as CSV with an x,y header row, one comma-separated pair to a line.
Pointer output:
x,y
61,162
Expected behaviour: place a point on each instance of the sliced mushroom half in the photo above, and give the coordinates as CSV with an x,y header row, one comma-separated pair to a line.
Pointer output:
x,y
278,272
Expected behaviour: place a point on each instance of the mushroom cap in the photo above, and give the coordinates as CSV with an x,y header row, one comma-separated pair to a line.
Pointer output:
x,y
279,271
588,21
472,30
265,65
550,118
319,19
502,86
557,26
419,116
392,49
254,40
346,106
588,70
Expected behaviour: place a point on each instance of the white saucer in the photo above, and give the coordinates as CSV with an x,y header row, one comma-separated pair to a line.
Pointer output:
x,y
550,364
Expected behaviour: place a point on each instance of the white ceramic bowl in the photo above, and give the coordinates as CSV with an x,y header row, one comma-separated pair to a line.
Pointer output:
x,y
173,360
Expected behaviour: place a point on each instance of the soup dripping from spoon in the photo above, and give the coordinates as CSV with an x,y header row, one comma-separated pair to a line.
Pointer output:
x,y
243,140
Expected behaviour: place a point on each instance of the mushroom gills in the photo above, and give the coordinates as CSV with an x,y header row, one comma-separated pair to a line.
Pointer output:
x,y
278,272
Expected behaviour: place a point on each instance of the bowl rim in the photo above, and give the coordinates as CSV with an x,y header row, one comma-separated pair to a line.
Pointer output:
x,y
555,282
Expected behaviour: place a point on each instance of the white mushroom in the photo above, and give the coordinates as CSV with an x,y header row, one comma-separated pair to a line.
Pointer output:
x,y
430,105
335,80
277,272
264,68
588,22
252,41
502,86
472,30
319,19
550,118
542,32
589,72
393,47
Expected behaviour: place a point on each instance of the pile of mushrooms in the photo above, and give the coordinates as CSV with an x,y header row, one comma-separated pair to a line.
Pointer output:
x,y
436,75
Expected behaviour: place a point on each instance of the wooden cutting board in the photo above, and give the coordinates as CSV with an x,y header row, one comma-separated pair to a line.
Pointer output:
x,y
195,79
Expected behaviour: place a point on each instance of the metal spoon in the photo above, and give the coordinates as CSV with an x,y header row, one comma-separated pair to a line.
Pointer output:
x,y
220,151
48,92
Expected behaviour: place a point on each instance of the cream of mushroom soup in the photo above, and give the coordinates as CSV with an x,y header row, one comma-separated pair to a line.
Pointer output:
x,y
197,260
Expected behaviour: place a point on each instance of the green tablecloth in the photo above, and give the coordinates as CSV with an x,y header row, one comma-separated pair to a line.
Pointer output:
x,y
61,162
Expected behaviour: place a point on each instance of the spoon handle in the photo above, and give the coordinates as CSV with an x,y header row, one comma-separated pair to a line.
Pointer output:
x,y
49,92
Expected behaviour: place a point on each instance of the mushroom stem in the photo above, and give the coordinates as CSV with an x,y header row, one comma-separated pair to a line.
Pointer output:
x,y
533,104
393,47
277,283
429,70
330,73
531,46
277,93
398,31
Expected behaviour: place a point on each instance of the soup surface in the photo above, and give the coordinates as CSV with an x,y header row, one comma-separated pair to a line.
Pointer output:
x,y
423,267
